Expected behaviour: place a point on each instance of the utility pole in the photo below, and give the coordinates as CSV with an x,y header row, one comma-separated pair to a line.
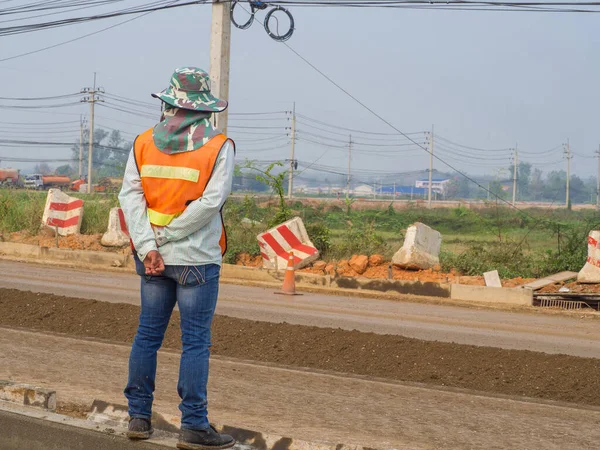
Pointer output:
x,y
515,172
568,153
598,179
220,48
81,123
292,156
349,167
92,99
430,168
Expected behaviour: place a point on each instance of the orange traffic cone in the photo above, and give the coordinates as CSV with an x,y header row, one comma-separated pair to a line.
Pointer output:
x,y
289,280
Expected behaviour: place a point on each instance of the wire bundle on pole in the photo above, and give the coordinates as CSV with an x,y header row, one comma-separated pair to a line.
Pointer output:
x,y
261,6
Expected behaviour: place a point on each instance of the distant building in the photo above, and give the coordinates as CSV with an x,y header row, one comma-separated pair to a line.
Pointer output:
x,y
363,189
401,191
437,184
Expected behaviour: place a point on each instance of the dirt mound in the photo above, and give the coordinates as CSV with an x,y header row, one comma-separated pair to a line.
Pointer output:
x,y
511,372
73,242
378,267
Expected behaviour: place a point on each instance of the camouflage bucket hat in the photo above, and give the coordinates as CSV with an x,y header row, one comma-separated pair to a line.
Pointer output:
x,y
190,89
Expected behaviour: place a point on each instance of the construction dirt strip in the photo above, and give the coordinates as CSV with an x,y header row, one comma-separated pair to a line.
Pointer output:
x,y
392,357
305,404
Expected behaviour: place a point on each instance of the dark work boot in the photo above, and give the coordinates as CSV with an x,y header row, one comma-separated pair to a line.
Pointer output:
x,y
140,429
207,439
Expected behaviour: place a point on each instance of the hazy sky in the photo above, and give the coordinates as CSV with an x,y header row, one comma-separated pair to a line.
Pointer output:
x,y
485,80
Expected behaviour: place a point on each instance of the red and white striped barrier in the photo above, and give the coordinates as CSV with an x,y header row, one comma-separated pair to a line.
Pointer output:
x,y
277,243
63,213
117,234
591,271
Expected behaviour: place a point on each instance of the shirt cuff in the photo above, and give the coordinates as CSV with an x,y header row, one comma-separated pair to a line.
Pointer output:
x,y
145,249
160,236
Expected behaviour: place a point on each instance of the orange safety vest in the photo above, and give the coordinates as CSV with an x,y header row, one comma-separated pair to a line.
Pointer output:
x,y
173,181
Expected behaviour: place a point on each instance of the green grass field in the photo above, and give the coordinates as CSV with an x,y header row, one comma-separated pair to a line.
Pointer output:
x,y
533,242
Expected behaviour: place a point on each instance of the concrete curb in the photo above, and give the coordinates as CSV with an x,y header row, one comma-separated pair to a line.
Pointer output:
x,y
28,251
27,395
104,413
495,295
232,273
429,289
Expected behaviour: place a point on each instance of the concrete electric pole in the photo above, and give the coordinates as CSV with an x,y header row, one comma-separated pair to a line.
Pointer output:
x,y
349,167
568,156
220,48
92,99
598,179
515,174
430,168
81,124
292,155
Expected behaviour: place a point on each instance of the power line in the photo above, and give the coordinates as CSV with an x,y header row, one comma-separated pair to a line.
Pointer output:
x,y
391,125
55,97
76,39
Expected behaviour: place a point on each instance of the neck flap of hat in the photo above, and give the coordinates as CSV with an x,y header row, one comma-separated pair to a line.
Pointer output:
x,y
182,130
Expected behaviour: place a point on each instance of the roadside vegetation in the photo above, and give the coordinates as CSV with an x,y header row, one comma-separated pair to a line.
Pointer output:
x,y
528,243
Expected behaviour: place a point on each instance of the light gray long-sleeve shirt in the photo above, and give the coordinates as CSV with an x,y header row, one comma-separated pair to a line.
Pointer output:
x,y
191,238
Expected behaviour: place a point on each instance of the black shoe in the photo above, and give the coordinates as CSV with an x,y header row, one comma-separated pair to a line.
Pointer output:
x,y
204,439
140,429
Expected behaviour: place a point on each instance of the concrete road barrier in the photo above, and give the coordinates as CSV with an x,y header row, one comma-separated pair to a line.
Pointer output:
x,y
62,213
590,273
116,234
277,243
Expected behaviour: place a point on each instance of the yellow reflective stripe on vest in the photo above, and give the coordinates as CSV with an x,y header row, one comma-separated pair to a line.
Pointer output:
x,y
160,219
170,172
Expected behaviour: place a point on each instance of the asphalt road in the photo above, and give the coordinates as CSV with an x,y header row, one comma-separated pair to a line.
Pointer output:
x,y
23,432
574,335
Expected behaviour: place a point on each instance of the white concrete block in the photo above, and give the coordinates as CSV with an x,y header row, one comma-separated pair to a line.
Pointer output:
x,y
277,243
590,273
421,249
63,213
116,234
492,279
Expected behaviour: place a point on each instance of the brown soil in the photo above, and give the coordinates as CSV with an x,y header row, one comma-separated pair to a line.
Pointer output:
x,y
75,410
512,372
574,287
244,259
73,242
381,269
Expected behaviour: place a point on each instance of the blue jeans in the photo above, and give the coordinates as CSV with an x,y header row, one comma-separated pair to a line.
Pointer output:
x,y
195,289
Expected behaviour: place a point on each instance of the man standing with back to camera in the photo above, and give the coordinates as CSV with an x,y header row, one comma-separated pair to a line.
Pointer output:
x,y
177,179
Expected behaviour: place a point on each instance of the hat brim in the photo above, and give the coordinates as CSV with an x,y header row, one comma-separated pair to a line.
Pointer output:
x,y
197,101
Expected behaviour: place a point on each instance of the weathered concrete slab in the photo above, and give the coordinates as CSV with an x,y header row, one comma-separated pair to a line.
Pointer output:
x,y
421,248
486,294
551,279
492,279
27,395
